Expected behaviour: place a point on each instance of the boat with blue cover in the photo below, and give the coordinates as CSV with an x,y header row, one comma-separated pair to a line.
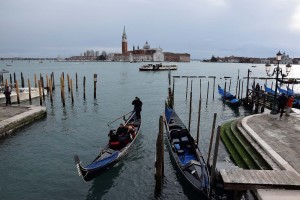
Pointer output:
x,y
228,97
269,90
117,147
186,153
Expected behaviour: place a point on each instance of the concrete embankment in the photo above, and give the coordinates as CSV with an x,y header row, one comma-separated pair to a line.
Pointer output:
x,y
14,117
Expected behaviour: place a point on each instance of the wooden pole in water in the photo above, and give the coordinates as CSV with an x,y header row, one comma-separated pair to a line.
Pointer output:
x,y
190,112
10,79
40,92
224,97
62,90
247,89
213,169
50,90
169,77
159,163
76,82
42,87
242,90
236,88
35,85
15,77
68,80
214,88
200,89
18,92
211,138
53,83
47,82
173,89
198,123
22,80
95,85
187,85
72,96
29,90
84,87
207,94
239,88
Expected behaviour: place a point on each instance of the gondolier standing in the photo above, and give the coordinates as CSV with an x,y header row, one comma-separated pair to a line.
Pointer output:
x,y
137,107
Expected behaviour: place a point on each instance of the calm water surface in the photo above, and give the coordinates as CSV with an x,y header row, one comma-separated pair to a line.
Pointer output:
x,y
37,161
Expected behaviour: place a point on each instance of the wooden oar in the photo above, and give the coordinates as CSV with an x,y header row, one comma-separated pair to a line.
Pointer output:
x,y
118,118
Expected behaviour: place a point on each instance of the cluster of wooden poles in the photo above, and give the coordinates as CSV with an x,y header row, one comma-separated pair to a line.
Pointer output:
x,y
50,86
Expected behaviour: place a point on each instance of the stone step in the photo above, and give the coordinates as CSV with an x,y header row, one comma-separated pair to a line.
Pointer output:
x,y
257,147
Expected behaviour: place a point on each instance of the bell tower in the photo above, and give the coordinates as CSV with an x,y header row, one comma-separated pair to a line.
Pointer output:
x,y
124,42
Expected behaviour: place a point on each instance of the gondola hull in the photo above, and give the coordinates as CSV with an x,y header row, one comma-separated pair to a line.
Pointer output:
x,y
228,98
110,155
186,154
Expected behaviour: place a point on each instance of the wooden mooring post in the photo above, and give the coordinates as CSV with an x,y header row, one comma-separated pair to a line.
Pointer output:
x,y
35,85
190,110
159,162
71,87
214,85
95,85
22,80
40,92
62,84
50,90
52,79
76,81
68,80
84,87
213,169
211,139
198,122
207,93
29,90
18,92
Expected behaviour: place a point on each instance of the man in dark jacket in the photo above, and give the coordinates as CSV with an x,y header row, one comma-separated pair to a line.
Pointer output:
x,y
7,95
137,107
282,99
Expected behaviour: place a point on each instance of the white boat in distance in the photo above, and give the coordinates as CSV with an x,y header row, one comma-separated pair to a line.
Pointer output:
x,y
157,67
24,95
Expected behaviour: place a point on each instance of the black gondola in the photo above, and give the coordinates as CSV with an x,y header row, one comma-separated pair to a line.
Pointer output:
x,y
117,147
186,154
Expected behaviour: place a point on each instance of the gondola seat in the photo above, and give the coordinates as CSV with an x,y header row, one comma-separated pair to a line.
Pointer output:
x,y
114,145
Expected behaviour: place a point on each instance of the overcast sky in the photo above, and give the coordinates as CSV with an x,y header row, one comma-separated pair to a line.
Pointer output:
x,y
251,28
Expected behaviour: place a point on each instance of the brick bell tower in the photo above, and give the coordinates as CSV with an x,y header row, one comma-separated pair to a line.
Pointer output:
x,y
124,42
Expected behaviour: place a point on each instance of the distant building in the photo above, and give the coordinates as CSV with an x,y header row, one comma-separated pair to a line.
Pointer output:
x,y
146,54
285,59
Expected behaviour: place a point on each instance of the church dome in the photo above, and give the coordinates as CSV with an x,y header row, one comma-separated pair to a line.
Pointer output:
x,y
146,45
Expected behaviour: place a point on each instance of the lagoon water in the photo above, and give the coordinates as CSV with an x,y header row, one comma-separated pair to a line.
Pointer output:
x,y
37,160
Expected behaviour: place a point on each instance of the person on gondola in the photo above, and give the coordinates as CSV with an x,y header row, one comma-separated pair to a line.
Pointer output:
x,y
137,107
122,130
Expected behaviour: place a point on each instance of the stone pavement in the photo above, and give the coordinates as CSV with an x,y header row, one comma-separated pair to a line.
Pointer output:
x,y
16,116
280,139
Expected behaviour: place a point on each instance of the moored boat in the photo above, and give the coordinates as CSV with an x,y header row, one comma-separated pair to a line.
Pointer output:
x,y
157,67
228,97
186,154
116,148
